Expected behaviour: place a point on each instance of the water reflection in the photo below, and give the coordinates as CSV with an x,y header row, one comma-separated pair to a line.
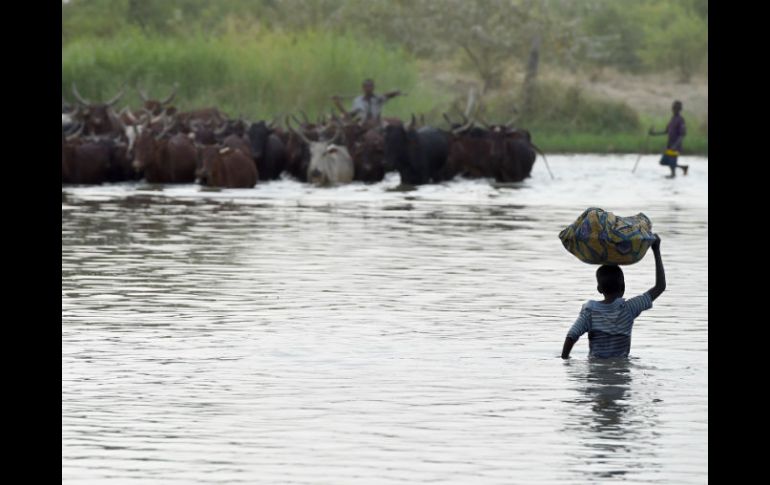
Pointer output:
x,y
609,419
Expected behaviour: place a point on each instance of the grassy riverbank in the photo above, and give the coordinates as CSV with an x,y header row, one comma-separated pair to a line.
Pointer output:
x,y
263,74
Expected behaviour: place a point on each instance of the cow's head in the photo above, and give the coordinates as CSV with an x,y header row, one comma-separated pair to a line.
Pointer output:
x,y
98,117
146,144
325,155
258,134
156,107
209,163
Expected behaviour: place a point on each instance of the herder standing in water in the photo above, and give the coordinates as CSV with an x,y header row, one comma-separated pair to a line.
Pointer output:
x,y
368,105
676,132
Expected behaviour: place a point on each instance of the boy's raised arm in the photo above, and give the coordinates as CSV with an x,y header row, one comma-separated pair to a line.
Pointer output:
x,y
660,274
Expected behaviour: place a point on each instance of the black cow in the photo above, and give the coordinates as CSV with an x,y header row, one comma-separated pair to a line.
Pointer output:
x,y
268,151
418,155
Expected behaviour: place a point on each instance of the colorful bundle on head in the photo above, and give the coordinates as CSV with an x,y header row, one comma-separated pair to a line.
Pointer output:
x,y
600,237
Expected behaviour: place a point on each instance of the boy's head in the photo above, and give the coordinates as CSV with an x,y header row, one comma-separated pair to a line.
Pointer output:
x,y
610,280
676,107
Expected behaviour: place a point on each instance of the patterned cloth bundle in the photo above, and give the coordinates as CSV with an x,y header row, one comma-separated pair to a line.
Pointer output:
x,y
599,237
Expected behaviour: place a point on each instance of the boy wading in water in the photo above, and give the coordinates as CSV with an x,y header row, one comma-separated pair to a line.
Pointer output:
x,y
609,322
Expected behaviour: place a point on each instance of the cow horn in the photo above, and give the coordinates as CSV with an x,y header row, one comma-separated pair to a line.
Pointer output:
x,y
119,121
411,123
510,122
171,96
291,129
446,117
221,130
117,96
462,128
142,94
304,117
337,135
159,118
77,95
484,123
296,120
166,128
76,133
146,116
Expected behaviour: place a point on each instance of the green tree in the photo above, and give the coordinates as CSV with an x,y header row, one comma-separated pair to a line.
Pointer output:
x,y
677,38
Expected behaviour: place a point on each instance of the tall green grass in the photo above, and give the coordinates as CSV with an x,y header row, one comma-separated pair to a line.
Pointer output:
x,y
567,109
257,75
262,74
565,119
560,142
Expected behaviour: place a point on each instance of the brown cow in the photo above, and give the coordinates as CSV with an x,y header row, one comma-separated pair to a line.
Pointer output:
x,y
498,151
84,161
469,155
368,153
231,127
156,107
204,115
226,167
164,161
203,132
237,142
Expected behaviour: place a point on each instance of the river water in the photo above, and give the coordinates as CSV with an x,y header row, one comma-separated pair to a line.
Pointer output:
x,y
360,334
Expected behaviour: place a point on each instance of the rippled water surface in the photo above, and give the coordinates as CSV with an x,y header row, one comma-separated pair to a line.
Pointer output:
x,y
359,334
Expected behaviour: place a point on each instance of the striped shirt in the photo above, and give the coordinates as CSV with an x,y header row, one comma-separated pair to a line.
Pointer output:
x,y
609,325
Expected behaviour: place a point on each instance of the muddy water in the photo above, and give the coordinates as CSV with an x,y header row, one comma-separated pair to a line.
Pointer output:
x,y
287,334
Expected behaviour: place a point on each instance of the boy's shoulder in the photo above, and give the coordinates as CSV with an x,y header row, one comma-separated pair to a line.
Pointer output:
x,y
600,306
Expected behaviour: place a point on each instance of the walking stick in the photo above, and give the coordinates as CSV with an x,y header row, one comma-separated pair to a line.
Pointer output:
x,y
646,143
544,159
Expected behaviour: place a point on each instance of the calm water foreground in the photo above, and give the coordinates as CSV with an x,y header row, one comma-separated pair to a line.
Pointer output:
x,y
357,335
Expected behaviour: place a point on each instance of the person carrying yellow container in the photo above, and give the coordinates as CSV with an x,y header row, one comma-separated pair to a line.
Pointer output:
x,y
676,132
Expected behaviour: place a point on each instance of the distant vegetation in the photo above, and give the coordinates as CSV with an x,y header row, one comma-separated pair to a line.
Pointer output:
x,y
256,76
262,58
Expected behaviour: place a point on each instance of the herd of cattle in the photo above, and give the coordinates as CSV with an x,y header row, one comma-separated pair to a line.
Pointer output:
x,y
162,145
